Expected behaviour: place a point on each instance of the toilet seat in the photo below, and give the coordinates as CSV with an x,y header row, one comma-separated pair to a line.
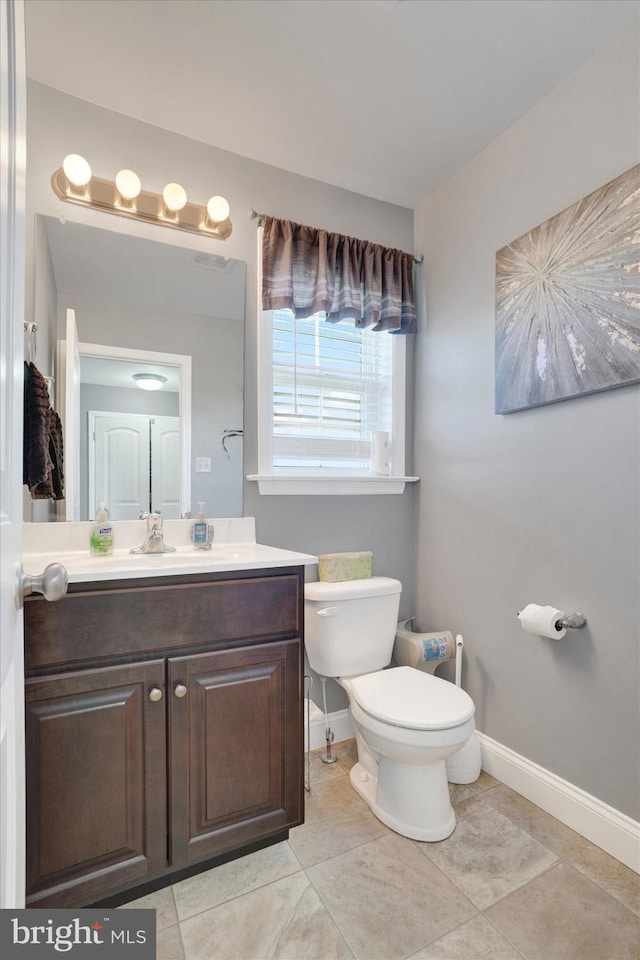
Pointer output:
x,y
409,698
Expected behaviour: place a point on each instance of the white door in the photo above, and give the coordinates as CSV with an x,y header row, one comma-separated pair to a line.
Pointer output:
x,y
119,466
12,205
68,371
165,466
134,464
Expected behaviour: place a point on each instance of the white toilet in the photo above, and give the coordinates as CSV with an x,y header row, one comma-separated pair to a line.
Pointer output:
x,y
407,722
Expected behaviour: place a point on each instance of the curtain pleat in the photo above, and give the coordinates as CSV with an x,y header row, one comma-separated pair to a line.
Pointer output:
x,y
308,270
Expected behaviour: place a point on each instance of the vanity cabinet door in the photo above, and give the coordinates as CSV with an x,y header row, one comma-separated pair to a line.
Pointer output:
x,y
96,782
235,750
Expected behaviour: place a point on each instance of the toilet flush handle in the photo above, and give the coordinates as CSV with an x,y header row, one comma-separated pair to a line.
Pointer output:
x,y
327,612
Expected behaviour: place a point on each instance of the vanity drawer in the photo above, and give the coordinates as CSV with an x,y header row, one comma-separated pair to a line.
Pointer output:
x,y
131,618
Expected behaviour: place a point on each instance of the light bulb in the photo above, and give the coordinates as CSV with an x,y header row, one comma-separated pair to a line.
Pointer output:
x,y
128,184
218,209
76,170
174,197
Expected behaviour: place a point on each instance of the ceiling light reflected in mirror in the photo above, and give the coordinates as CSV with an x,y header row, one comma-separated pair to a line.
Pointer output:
x,y
149,381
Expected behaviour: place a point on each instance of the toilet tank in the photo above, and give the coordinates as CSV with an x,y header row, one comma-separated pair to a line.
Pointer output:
x,y
350,627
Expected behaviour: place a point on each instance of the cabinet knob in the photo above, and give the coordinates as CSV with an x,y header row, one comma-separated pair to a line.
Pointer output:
x,y
180,690
155,694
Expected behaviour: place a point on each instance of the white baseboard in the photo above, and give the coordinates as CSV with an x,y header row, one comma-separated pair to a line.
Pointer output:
x,y
340,723
616,833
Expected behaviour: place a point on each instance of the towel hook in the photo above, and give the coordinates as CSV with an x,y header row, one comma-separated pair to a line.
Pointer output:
x,y
31,330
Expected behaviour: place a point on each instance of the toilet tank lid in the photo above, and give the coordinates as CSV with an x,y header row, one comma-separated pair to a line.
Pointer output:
x,y
351,589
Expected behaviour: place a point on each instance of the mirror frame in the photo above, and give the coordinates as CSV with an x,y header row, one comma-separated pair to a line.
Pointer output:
x,y
183,363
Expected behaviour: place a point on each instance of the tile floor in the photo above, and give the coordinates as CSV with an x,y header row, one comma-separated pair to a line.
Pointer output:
x,y
511,883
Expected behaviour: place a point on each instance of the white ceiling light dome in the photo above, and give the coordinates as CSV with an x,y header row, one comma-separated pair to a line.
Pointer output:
x,y
149,381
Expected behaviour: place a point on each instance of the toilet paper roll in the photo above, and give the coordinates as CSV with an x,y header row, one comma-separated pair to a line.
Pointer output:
x,y
380,460
412,649
542,621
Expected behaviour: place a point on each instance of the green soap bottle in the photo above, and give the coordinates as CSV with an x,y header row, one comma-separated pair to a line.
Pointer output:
x,y
101,541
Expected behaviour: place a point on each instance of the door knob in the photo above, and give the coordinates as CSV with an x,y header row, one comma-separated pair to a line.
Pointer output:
x,y
52,582
155,694
180,690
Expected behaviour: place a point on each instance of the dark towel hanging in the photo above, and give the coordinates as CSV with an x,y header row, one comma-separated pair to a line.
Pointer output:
x,y
56,453
42,452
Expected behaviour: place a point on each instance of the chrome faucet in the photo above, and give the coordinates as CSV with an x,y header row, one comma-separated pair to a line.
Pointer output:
x,y
154,540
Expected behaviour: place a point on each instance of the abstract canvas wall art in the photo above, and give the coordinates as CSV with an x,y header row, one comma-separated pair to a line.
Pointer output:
x,y
568,301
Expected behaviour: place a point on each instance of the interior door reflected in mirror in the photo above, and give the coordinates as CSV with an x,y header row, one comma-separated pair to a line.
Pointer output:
x,y
160,334
137,440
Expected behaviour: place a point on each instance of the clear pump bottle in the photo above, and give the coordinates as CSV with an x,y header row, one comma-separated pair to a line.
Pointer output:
x,y
201,531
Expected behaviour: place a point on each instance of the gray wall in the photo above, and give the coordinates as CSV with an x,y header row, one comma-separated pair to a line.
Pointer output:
x,y
543,505
59,124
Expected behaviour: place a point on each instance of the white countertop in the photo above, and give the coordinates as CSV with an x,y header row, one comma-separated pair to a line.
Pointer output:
x,y
122,565
234,548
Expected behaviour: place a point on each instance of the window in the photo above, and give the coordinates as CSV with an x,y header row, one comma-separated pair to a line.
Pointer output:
x,y
324,388
331,390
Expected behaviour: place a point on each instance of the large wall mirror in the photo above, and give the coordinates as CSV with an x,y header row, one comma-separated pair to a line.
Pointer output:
x,y
133,310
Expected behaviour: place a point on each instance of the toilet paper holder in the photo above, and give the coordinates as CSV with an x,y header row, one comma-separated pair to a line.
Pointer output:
x,y
575,621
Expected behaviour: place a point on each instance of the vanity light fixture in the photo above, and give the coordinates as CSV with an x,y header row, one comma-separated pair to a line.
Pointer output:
x,y
149,381
74,182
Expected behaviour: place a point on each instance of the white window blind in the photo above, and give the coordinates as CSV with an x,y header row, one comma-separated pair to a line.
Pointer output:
x,y
332,387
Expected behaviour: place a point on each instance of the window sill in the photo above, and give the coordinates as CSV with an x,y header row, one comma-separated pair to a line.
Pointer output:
x,y
271,485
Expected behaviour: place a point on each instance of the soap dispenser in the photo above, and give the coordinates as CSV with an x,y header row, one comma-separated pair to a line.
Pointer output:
x,y
101,540
201,531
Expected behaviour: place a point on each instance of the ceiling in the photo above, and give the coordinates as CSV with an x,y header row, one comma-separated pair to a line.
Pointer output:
x,y
388,98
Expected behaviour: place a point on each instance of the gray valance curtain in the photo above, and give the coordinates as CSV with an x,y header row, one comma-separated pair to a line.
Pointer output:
x,y
308,270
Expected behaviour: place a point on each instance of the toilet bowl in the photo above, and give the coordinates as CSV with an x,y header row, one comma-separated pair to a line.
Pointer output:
x,y
407,722
410,723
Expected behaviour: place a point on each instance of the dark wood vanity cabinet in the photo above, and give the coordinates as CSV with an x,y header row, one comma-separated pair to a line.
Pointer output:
x,y
96,782
230,784
162,730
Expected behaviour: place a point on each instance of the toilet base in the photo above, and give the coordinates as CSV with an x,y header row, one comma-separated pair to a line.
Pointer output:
x,y
439,822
